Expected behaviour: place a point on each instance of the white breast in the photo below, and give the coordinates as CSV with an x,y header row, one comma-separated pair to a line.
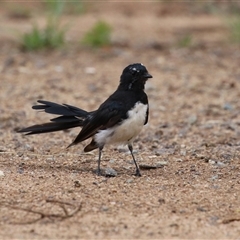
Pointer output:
x,y
127,130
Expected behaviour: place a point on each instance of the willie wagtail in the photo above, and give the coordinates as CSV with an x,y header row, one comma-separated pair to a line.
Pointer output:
x,y
117,120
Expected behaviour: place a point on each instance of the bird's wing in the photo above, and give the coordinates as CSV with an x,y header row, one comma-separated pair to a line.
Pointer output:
x,y
106,116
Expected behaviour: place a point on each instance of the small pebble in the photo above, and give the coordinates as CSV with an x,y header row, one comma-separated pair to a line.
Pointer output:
x,y
58,68
207,126
20,154
202,209
112,161
77,184
2,148
183,152
220,164
153,156
122,150
178,160
29,148
110,172
105,208
2,174
161,200
214,177
20,170
192,119
161,163
227,106
90,70
211,161
213,220
130,180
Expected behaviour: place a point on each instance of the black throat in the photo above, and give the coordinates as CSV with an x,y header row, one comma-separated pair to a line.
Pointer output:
x,y
132,84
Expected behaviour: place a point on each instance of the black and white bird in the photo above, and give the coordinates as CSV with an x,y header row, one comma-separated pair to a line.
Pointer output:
x,y
118,120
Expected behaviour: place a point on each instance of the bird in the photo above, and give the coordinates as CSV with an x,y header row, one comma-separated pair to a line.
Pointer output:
x,y
118,120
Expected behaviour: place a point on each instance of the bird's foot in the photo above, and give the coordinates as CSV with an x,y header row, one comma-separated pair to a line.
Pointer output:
x,y
99,172
138,174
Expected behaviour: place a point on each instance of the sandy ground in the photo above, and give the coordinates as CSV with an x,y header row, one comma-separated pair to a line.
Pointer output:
x,y
48,192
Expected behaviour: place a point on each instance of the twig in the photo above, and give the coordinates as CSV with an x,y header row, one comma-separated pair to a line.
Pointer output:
x,y
47,215
229,220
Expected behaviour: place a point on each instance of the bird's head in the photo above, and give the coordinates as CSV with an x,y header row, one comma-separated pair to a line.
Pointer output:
x,y
134,76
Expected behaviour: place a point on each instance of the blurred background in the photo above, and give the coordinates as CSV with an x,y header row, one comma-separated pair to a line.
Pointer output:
x,y
54,24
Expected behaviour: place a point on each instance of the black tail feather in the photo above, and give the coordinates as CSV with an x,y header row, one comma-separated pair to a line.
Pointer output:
x,y
49,127
66,119
70,117
58,109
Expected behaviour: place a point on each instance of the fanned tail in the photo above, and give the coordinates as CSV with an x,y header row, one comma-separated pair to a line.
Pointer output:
x,y
70,117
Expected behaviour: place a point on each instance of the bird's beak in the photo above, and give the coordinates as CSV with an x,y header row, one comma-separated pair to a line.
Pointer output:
x,y
147,75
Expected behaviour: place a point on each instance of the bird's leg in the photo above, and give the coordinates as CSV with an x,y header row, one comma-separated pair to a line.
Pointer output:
x,y
99,160
137,167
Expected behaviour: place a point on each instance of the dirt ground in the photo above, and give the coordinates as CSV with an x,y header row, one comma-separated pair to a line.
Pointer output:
x,y
192,138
